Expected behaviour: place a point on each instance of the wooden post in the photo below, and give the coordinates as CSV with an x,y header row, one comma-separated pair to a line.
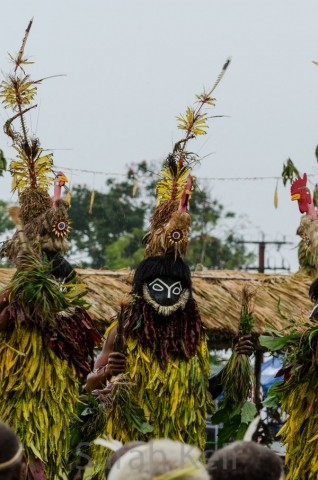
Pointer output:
x,y
257,372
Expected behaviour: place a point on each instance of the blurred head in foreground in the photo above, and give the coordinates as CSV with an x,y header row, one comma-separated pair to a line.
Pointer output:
x,y
119,453
161,459
12,458
245,461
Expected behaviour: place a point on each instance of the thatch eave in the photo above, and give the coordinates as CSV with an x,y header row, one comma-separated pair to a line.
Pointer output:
x,y
278,298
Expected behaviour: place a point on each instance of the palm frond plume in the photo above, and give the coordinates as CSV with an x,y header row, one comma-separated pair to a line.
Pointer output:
x,y
44,220
170,223
31,168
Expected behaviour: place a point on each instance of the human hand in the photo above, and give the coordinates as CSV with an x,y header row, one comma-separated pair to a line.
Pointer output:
x,y
243,345
116,363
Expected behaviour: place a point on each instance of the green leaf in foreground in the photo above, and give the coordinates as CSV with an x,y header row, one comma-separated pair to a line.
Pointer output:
x,y
248,412
274,343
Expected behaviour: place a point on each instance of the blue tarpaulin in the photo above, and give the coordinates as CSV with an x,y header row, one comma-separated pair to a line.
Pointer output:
x,y
269,369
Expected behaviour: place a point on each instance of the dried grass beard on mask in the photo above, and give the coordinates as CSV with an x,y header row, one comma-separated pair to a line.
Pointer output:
x,y
166,310
173,336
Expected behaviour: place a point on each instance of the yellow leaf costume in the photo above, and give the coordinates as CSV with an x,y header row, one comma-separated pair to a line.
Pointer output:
x,y
46,336
174,397
297,396
164,392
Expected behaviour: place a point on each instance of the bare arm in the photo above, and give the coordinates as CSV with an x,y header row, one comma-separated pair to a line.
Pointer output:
x,y
108,363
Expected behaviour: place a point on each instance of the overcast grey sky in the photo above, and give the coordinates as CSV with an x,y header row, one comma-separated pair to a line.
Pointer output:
x,y
131,66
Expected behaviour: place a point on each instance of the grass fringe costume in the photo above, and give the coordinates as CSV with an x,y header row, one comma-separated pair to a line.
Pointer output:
x,y
173,399
46,335
165,390
296,394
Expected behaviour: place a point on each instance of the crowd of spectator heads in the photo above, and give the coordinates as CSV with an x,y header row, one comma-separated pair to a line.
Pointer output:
x,y
163,459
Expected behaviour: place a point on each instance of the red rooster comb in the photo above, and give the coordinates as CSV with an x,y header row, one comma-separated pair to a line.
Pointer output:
x,y
300,192
298,185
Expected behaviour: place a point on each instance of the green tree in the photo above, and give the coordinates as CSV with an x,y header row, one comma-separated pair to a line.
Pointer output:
x,y
205,249
111,235
6,228
3,163
113,219
126,252
6,224
218,254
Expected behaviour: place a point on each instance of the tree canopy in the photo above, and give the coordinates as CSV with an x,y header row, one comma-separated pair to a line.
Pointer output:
x,y
3,163
6,225
107,228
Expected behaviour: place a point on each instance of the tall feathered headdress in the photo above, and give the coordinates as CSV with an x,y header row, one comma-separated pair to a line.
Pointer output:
x,y
43,219
43,316
170,223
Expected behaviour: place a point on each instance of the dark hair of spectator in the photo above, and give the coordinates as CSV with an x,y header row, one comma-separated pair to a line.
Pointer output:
x,y
10,453
245,461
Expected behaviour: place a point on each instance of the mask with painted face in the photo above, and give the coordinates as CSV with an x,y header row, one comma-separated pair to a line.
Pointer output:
x,y
165,294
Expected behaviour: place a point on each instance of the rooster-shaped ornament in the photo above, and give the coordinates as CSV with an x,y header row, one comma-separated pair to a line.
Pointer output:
x,y
46,223
308,228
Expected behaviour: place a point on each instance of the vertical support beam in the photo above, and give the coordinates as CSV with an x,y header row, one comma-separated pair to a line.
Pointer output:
x,y
257,372
261,257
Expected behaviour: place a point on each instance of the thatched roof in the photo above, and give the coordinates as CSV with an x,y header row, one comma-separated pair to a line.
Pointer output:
x,y
278,298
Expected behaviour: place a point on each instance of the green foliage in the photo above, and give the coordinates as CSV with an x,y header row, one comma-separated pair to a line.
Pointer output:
x,y
89,422
289,172
210,252
117,214
40,295
273,397
3,163
110,236
236,410
205,249
276,343
6,228
248,412
6,225
235,423
126,252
